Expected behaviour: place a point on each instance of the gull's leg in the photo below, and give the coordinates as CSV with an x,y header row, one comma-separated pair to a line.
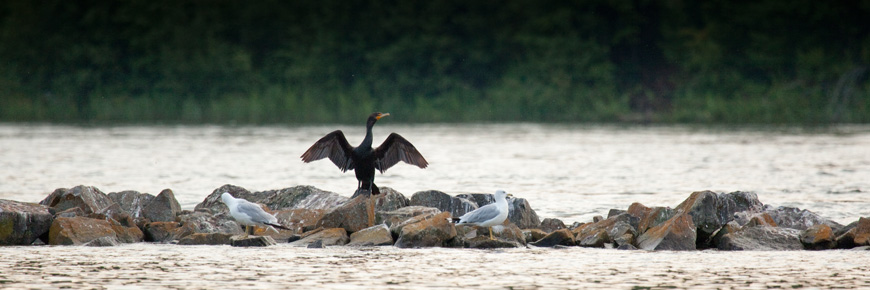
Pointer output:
x,y
490,234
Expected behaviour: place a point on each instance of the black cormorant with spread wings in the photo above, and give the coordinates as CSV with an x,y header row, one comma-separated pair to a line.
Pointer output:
x,y
364,159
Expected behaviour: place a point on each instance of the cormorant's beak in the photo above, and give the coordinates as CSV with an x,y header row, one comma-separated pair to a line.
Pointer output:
x,y
382,115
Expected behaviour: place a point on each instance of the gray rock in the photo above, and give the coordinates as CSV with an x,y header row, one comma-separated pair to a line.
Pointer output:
x,y
533,235
302,197
160,231
479,199
213,203
442,201
400,215
761,238
626,247
857,235
615,212
202,222
131,202
522,214
551,225
710,211
432,232
505,236
648,217
163,208
378,235
22,223
104,242
326,236
252,241
88,198
205,239
795,218
353,215
597,234
318,244
78,230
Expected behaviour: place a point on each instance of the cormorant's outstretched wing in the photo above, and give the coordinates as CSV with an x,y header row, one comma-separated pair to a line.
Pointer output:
x,y
394,149
334,146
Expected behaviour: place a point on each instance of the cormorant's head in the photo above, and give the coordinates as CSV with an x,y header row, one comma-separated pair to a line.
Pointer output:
x,y
374,117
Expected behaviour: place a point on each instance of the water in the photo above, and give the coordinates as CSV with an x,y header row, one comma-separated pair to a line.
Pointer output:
x,y
566,172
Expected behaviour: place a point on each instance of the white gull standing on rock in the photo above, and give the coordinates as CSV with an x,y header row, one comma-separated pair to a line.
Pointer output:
x,y
489,215
250,214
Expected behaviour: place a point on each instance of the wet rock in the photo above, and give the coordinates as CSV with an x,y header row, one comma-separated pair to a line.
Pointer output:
x,y
378,235
326,236
354,215
857,236
522,214
252,241
551,225
432,232
795,218
300,219
560,237
78,230
21,223
131,202
649,216
469,236
163,208
818,237
302,197
676,234
202,222
533,235
318,244
442,201
398,216
160,231
761,238
88,198
626,247
103,242
710,211
206,239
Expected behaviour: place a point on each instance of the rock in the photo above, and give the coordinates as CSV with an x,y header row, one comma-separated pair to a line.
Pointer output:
x,y
522,214
442,201
327,236
398,216
533,235
302,197
818,237
252,241
160,231
676,234
206,239
505,236
795,218
131,202
354,216
649,217
378,235
213,203
202,222
710,211
318,244
70,212
432,232
300,219
598,234
21,223
856,236
78,230
551,225
597,218
396,228
730,227
126,234
560,237
88,198
761,238
163,208
763,219
626,247
103,242
615,212
479,199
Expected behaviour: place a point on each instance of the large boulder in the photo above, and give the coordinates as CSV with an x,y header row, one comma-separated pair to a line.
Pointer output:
x,y
324,237
761,238
504,236
395,217
522,214
22,223
818,237
202,222
213,203
551,225
396,228
131,202
354,214
378,235
160,231
442,201
300,219
603,232
432,232
163,208
649,217
857,235
302,196
562,237
81,230
795,218
677,234
710,211
88,198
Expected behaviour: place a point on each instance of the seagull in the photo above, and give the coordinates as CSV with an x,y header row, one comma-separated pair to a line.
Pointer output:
x,y
250,214
489,215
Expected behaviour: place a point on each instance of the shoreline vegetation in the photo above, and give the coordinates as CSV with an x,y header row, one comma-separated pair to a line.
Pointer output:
x,y
279,62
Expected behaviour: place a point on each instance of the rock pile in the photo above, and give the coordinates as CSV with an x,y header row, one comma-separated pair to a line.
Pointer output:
x,y
84,215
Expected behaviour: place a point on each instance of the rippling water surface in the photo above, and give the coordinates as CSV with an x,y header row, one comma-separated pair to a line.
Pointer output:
x,y
567,172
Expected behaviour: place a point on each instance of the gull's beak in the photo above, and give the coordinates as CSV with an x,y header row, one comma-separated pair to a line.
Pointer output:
x,y
509,195
382,115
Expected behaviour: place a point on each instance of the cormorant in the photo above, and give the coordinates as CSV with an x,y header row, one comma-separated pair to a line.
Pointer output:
x,y
364,159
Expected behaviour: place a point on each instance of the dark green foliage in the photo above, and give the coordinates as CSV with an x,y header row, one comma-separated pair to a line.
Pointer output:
x,y
277,61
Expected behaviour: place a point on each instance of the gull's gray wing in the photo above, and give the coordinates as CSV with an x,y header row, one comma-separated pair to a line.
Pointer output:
x,y
256,213
485,213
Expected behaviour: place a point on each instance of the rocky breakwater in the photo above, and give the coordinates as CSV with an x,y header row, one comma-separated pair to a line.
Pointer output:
x,y
84,215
